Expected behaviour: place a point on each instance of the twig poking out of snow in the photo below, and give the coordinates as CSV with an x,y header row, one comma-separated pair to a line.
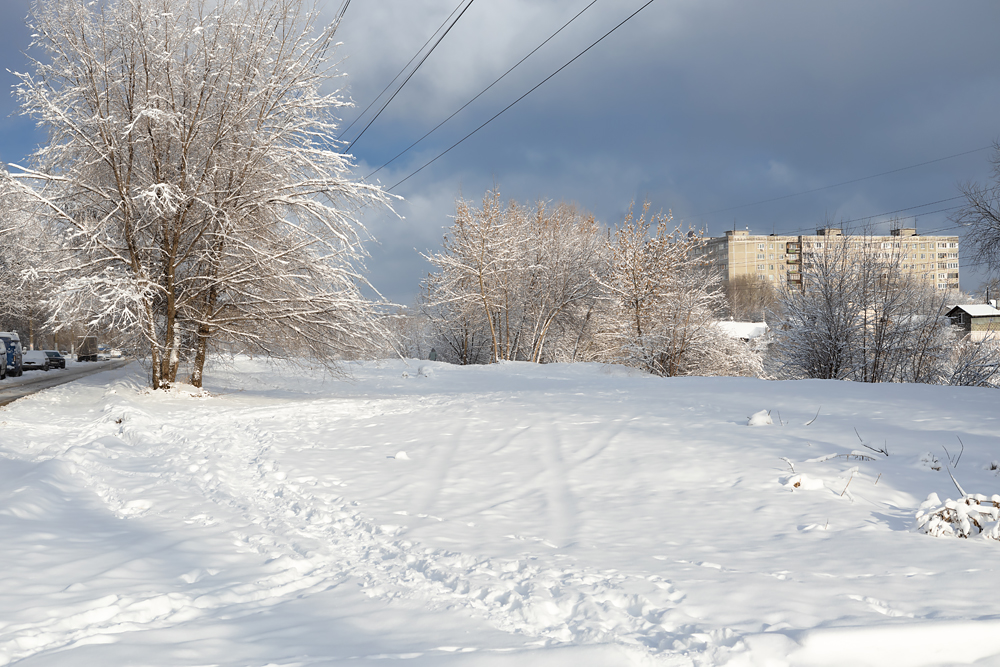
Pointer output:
x,y
816,417
970,515
790,465
762,418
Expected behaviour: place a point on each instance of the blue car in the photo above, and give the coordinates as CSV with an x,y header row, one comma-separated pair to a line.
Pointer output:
x,y
13,344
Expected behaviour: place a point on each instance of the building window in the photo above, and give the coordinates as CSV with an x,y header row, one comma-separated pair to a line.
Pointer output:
x,y
760,267
952,265
760,246
952,245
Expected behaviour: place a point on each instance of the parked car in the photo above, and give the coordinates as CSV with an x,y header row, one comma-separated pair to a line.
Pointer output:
x,y
3,360
13,344
35,360
56,360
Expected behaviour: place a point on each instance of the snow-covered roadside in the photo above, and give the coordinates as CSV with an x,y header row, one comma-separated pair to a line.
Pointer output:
x,y
490,515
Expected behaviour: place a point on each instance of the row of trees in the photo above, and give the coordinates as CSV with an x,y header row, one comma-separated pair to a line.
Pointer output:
x,y
191,193
541,283
547,283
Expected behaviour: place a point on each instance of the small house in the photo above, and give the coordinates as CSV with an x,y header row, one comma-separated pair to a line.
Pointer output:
x,y
980,321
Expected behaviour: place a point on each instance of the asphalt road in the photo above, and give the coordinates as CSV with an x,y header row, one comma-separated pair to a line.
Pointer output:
x,y
12,388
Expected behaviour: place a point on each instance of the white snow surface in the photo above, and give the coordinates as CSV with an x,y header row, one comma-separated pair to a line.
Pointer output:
x,y
504,515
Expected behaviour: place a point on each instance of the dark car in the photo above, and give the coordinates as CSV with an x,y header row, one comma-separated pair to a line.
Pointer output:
x,y
13,344
56,360
35,360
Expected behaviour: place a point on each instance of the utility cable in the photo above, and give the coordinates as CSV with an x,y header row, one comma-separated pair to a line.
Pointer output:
x,y
410,75
389,85
483,91
837,185
536,87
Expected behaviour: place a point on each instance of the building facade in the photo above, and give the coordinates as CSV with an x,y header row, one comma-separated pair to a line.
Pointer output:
x,y
781,259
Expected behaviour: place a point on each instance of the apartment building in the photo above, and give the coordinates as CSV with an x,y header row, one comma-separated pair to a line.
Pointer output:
x,y
780,259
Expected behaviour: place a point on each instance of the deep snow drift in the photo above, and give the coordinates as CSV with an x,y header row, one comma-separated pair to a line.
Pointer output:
x,y
512,514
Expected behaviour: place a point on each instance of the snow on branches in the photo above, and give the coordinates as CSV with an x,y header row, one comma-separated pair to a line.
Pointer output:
x,y
973,514
548,284
193,177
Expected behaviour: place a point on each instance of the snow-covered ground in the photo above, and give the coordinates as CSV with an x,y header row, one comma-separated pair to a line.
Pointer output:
x,y
512,514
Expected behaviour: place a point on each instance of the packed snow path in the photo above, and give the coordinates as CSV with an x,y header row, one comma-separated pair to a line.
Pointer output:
x,y
492,515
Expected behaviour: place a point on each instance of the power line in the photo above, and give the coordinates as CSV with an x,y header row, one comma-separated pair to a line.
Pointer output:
x,y
536,87
483,91
837,185
804,230
410,75
389,85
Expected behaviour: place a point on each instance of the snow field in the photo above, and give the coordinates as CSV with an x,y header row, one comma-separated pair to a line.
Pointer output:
x,y
546,513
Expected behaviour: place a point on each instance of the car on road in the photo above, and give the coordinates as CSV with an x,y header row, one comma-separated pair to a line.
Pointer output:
x,y
56,360
35,360
3,360
13,344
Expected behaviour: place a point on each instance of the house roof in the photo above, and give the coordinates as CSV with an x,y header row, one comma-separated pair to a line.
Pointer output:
x,y
745,330
977,310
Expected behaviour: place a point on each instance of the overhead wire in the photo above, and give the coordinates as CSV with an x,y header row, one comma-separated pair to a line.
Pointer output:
x,y
483,91
410,75
864,218
533,89
837,185
405,67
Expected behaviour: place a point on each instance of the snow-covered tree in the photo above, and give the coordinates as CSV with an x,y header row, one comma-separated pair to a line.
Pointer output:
x,y
664,299
192,177
524,280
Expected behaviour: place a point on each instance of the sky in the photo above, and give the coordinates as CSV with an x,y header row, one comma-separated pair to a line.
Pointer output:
x,y
769,115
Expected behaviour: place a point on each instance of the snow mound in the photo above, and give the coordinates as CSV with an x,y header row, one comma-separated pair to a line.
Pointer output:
x,y
181,390
762,418
971,515
425,371
800,481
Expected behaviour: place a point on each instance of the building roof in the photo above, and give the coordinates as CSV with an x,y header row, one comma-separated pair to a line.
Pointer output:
x,y
977,310
744,330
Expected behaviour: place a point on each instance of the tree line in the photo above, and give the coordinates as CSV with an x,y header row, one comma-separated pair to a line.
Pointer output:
x,y
547,283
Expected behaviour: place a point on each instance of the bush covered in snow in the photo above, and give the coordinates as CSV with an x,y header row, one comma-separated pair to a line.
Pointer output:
x,y
970,515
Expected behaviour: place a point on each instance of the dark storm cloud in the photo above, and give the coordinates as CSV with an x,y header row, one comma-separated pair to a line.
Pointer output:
x,y
697,106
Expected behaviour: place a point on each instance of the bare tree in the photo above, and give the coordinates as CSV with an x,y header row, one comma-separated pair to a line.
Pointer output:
x,y
981,215
515,277
193,179
664,298
860,316
750,298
